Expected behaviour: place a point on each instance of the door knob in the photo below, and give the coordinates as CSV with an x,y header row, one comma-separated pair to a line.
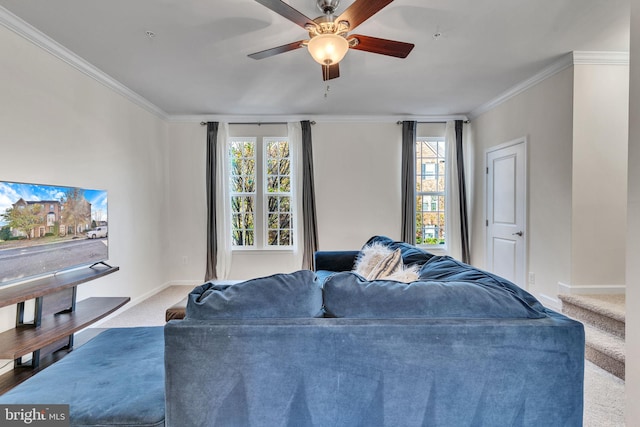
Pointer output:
x,y
519,233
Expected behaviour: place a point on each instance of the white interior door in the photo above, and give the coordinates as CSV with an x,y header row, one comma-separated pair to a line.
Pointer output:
x,y
506,211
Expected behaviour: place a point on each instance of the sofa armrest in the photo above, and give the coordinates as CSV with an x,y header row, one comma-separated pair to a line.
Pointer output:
x,y
335,260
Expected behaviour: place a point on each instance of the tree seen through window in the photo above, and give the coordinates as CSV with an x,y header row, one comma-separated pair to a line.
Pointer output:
x,y
430,191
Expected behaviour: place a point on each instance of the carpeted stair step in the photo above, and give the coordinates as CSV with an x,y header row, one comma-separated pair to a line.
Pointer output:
x,y
605,312
605,350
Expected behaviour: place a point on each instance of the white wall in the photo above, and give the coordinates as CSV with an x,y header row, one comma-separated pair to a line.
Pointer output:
x,y
632,383
543,114
187,210
357,183
599,190
357,178
58,126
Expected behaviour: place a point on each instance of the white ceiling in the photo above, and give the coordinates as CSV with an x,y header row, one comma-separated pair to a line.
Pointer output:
x,y
197,62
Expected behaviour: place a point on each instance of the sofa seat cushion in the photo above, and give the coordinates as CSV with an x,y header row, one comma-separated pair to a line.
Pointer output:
x,y
297,294
323,275
115,379
349,295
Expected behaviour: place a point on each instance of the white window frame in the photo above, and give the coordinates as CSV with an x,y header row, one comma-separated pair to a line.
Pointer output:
x,y
265,194
443,193
254,194
261,225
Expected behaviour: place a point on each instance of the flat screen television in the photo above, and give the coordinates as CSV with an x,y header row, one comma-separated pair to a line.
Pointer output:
x,y
45,229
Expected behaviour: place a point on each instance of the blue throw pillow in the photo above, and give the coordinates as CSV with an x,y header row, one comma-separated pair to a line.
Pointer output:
x,y
296,294
349,295
410,254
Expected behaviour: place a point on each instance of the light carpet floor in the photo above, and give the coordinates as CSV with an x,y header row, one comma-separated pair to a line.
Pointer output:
x,y
603,395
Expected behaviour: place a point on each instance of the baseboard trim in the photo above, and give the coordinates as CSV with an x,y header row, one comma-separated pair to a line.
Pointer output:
x,y
193,283
564,288
132,303
549,302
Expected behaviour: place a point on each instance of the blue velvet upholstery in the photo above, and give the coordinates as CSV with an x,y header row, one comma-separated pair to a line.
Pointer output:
x,y
323,275
416,355
335,260
296,294
116,379
374,373
445,268
350,295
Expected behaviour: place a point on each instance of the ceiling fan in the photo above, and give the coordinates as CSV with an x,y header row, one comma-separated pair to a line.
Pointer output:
x,y
328,39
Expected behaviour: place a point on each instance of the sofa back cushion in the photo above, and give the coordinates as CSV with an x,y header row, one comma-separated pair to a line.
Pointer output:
x,y
349,295
297,294
447,269
410,253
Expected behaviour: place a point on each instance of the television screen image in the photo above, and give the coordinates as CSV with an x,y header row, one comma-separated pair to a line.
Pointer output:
x,y
48,228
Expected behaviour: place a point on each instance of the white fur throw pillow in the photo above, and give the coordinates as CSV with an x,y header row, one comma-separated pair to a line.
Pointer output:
x,y
370,257
377,261
405,274
387,266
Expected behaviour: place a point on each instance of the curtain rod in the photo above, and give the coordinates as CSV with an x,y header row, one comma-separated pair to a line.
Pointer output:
x,y
257,123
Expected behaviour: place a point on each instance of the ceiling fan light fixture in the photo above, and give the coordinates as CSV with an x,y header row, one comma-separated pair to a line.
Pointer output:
x,y
328,49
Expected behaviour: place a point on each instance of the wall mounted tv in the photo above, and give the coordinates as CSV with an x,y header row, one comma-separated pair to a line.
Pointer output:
x,y
45,229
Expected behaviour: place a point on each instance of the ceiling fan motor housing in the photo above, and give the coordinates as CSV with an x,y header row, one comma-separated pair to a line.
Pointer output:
x,y
326,24
328,7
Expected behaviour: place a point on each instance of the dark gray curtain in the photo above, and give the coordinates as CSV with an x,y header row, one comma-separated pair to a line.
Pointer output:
x,y
309,220
462,190
212,240
408,182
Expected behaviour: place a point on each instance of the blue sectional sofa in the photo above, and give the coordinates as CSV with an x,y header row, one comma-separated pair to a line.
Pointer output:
x,y
116,379
458,347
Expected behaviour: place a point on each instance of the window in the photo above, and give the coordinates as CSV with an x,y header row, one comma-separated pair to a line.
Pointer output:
x,y
261,193
430,191
242,157
278,193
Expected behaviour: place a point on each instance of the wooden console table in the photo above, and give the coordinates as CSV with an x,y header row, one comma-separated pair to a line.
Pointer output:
x,y
57,317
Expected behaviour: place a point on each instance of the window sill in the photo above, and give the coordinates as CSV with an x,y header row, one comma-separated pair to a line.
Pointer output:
x,y
256,251
436,250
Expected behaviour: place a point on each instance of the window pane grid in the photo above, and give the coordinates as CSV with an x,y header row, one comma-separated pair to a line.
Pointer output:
x,y
430,191
242,160
279,214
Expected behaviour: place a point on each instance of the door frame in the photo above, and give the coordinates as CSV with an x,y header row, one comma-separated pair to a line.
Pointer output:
x,y
521,140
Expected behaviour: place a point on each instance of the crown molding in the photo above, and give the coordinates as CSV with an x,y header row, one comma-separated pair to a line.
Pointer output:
x,y
30,33
600,58
564,62
318,118
560,64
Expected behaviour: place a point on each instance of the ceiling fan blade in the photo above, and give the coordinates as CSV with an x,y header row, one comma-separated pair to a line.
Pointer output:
x,y
360,11
283,9
382,46
330,72
276,50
